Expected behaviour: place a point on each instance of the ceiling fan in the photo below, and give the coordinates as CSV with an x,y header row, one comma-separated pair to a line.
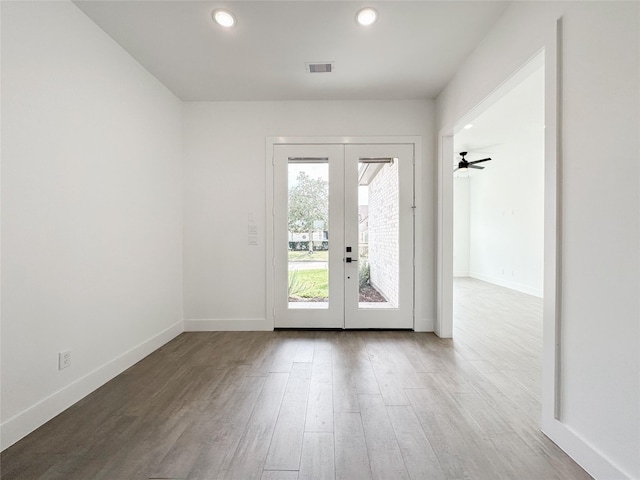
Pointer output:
x,y
464,163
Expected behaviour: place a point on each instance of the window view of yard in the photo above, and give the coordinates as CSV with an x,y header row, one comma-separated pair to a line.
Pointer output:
x,y
308,236
308,233
312,284
308,276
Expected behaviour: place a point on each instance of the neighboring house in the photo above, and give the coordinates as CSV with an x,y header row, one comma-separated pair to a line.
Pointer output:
x,y
300,241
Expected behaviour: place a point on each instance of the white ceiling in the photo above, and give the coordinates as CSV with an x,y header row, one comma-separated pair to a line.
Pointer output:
x,y
516,118
411,52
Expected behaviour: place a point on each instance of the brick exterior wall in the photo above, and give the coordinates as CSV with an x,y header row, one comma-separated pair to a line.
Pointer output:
x,y
383,232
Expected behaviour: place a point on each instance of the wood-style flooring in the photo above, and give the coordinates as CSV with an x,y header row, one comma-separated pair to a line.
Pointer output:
x,y
287,405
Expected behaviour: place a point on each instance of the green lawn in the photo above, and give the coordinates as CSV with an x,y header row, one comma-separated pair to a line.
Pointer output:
x,y
309,283
305,256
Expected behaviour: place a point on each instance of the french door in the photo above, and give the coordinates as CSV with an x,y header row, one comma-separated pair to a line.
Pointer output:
x,y
343,236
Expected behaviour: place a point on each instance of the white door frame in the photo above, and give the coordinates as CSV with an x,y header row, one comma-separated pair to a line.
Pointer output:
x,y
552,305
418,241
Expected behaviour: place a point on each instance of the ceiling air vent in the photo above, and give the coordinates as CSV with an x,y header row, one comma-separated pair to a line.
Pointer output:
x,y
320,67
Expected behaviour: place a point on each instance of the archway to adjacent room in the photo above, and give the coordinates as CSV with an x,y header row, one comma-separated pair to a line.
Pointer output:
x,y
448,156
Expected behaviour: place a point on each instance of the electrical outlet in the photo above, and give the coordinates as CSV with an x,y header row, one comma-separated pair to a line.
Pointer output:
x,y
64,359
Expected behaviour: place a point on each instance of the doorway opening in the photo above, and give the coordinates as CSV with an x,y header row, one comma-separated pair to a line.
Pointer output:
x,y
498,228
448,161
498,217
499,221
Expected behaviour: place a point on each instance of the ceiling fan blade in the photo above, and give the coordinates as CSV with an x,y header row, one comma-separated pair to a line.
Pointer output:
x,y
476,167
478,161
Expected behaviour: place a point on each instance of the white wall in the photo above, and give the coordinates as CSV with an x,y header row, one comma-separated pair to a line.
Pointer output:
x,y
461,225
224,280
91,219
507,218
599,390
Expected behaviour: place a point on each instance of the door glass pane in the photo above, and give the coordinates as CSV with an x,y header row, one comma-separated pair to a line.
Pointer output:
x,y
308,233
378,218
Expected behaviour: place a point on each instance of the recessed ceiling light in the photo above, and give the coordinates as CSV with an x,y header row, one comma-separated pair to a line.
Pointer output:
x,y
468,126
366,16
224,18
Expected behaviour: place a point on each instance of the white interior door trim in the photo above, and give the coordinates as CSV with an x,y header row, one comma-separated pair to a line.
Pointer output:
x,y
421,320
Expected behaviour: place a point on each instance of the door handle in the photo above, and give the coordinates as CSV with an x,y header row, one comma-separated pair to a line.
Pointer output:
x,y
349,260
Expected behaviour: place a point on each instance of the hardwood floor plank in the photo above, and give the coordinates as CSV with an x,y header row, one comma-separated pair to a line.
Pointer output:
x,y
264,355
454,437
306,347
520,459
489,421
392,371
249,458
324,340
317,462
36,468
320,402
182,455
345,389
286,354
223,431
65,467
109,452
418,455
279,475
354,356
351,456
149,446
384,453
286,444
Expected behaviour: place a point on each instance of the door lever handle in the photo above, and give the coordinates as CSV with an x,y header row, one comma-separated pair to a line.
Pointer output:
x,y
349,260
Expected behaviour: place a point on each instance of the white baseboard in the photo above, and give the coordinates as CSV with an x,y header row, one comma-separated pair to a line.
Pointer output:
x,y
37,415
228,325
586,455
536,292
